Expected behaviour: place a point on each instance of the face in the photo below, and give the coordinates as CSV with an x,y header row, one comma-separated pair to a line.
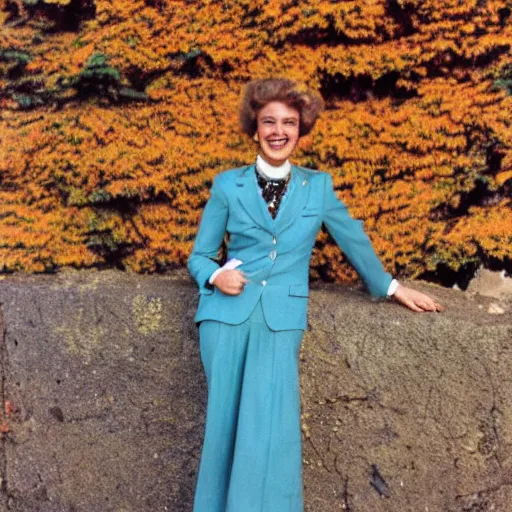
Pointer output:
x,y
278,132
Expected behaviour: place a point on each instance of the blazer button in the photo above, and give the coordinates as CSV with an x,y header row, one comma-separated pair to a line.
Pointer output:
x,y
264,283
274,240
272,255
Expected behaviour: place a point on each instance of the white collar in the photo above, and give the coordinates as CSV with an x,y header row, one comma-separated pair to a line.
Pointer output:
x,y
271,172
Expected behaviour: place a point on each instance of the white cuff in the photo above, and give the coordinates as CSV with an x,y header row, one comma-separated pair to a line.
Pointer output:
x,y
215,274
231,264
392,287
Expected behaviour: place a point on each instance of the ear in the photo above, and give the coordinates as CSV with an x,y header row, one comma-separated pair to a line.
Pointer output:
x,y
255,137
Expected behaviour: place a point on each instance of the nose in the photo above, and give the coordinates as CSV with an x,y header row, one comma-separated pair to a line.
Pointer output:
x,y
279,128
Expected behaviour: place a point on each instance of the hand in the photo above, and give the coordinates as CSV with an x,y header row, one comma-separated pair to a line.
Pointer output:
x,y
230,282
415,300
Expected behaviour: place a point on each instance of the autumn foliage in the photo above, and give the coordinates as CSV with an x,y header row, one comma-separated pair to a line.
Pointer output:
x,y
115,115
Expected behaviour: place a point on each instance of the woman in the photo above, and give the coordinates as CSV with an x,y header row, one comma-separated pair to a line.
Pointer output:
x,y
252,311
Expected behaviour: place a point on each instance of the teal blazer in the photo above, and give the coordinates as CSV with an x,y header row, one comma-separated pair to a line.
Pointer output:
x,y
275,252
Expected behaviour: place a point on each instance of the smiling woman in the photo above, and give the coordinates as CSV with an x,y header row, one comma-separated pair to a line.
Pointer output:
x,y
252,312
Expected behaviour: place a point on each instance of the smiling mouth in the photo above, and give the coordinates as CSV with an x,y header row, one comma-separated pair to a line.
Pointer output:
x,y
277,144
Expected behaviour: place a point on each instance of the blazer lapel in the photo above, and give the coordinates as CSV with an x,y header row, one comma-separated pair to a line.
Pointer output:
x,y
251,201
295,202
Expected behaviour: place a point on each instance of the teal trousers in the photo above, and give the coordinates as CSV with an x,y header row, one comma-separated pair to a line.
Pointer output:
x,y
251,459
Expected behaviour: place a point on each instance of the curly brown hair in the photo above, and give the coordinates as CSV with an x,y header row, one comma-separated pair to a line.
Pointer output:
x,y
293,94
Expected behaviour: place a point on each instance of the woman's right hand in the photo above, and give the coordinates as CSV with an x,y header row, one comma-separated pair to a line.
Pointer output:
x,y
230,282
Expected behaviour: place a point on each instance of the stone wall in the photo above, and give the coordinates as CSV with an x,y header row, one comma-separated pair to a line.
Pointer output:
x,y
104,397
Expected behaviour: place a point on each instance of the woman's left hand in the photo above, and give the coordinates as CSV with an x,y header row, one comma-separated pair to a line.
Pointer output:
x,y
415,300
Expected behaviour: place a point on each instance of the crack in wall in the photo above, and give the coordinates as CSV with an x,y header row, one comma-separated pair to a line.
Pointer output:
x,y
491,444
478,499
321,459
3,455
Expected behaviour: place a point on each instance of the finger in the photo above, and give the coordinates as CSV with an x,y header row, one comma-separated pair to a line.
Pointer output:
x,y
235,280
434,306
407,302
426,306
425,302
413,306
242,277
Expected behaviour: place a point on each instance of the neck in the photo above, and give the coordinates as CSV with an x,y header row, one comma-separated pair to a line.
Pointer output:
x,y
272,172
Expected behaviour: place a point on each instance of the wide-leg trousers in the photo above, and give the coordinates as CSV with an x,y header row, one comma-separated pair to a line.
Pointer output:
x,y
251,459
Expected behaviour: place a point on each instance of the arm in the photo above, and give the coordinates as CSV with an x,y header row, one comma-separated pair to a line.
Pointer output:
x,y
349,235
201,263
355,244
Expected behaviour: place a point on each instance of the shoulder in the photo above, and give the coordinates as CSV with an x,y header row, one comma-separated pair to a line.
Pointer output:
x,y
311,172
225,178
315,175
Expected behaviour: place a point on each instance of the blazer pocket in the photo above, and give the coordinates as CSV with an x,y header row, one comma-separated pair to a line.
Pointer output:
x,y
299,290
310,212
205,291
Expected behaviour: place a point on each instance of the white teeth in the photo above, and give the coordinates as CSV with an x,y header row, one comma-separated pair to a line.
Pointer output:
x,y
277,143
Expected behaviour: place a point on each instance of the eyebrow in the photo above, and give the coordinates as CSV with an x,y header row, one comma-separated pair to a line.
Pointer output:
x,y
284,118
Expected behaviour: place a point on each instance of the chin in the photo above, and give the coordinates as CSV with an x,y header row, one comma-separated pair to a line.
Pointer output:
x,y
280,156
276,161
